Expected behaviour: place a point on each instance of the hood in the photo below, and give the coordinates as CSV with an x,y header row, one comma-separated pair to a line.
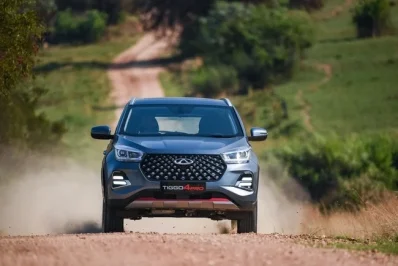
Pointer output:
x,y
183,145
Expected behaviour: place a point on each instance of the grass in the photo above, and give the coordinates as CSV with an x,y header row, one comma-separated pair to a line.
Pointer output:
x,y
367,84
373,229
375,222
77,84
335,21
388,246
361,94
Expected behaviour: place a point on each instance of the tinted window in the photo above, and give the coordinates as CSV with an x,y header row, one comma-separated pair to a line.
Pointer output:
x,y
187,120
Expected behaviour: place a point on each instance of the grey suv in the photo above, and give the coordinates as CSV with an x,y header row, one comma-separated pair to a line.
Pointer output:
x,y
179,157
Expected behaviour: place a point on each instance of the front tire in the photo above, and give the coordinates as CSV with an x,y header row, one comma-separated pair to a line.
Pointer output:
x,y
111,223
249,223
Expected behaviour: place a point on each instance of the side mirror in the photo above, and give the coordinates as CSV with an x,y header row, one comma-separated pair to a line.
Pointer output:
x,y
258,134
101,132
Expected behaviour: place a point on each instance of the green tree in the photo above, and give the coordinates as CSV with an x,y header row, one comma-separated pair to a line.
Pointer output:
x,y
20,32
262,44
171,13
20,35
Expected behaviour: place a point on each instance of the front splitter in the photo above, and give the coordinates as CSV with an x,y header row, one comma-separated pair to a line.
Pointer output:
x,y
220,204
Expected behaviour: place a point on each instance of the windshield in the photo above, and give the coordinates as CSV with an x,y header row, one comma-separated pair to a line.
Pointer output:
x,y
181,120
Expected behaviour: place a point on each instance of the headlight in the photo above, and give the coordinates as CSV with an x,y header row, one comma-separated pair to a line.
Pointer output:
x,y
239,156
128,154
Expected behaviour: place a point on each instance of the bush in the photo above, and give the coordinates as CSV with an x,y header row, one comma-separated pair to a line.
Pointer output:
x,y
372,18
266,109
343,173
22,126
66,27
92,28
263,45
211,81
88,28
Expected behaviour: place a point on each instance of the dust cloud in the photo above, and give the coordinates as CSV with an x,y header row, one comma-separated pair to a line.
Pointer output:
x,y
51,196
278,213
60,196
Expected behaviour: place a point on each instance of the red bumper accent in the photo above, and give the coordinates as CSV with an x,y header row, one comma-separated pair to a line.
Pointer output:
x,y
155,199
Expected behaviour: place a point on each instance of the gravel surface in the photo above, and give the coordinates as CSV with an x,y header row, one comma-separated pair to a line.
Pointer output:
x,y
175,249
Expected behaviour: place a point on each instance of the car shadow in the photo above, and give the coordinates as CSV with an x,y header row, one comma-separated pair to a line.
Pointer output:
x,y
84,228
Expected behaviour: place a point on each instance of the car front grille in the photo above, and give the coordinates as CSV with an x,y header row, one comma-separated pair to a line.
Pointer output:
x,y
183,167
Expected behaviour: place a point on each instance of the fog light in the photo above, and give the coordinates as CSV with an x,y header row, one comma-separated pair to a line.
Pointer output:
x,y
120,183
245,181
245,184
119,180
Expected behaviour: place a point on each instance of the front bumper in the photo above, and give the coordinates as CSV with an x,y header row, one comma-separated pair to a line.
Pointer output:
x,y
140,193
215,204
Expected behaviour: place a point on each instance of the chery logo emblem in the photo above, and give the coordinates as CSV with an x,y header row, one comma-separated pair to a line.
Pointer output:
x,y
183,161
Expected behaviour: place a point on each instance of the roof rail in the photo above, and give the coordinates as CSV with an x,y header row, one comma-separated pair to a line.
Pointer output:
x,y
227,101
132,101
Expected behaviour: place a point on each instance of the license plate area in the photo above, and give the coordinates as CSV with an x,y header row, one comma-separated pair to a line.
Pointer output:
x,y
183,187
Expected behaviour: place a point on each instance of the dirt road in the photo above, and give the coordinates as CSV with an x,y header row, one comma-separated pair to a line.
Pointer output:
x,y
159,249
202,248
138,81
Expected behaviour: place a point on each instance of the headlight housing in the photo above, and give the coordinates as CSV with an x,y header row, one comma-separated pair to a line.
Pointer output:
x,y
128,154
237,157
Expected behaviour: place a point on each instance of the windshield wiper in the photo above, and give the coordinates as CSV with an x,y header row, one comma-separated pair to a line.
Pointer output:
x,y
219,136
173,133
